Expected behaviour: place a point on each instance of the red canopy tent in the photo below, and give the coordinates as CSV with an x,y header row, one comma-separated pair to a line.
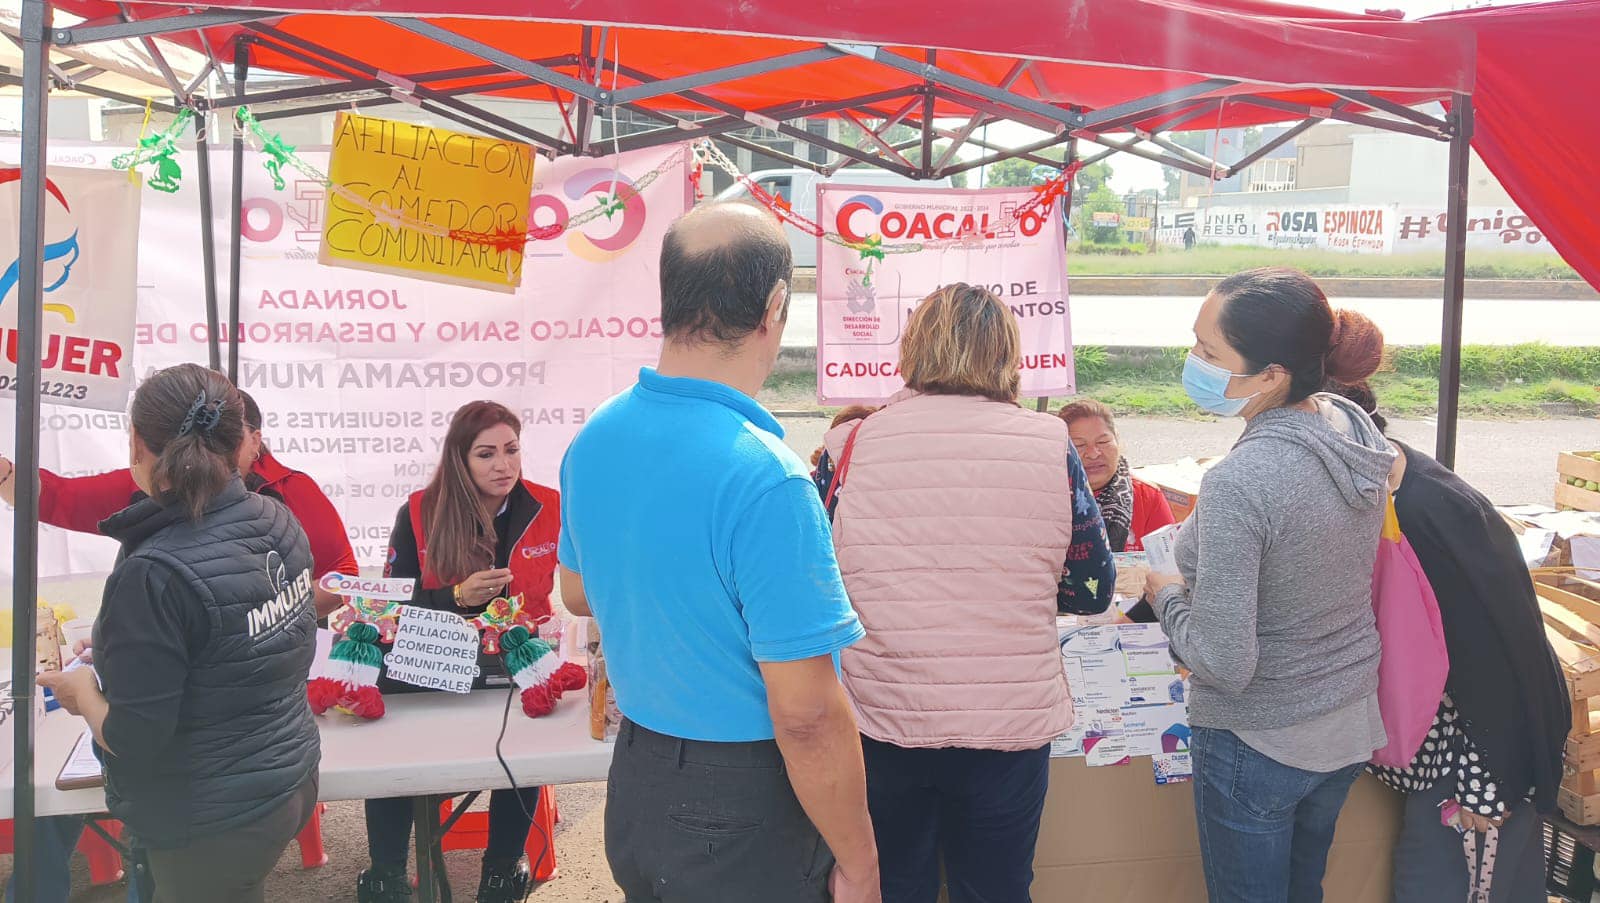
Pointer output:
x,y
1081,70
1535,74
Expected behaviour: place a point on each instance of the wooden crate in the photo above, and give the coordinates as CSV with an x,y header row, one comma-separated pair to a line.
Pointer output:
x,y
1572,624
1583,466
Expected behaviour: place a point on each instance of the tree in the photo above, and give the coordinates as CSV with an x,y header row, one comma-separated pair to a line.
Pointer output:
x,y
1101,200
1094,177
1009,173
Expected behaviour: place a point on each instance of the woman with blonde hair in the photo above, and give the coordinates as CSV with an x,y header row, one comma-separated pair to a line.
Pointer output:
x,y
954,510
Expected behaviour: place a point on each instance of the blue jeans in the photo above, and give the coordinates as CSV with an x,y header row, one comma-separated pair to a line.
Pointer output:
x,y
54,839
1265,828
976,809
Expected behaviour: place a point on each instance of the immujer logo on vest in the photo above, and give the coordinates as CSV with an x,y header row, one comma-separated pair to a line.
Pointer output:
x,y
270,616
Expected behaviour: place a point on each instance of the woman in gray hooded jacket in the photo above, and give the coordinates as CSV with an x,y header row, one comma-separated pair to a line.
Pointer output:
x,y
1273,612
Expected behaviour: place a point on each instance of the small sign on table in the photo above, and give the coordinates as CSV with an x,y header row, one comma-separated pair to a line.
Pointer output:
x,y
433,649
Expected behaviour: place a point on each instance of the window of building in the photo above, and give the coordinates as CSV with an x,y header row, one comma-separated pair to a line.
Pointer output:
x,y
1273,175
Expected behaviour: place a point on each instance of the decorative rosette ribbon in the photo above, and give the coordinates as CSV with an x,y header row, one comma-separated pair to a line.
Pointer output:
x,y
539,671
501,615
351,682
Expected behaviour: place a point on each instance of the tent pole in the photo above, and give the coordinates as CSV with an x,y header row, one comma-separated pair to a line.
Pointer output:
x,y
580,136
36,23
241,72
1455,271
926,167
208,238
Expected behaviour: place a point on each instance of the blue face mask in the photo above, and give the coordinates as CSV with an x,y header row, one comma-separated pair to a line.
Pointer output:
x,y
1207,385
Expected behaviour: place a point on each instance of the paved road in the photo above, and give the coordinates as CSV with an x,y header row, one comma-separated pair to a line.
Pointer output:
x,y
1139,320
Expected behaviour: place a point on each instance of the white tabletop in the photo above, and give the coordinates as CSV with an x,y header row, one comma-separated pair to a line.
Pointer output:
x,y
424,743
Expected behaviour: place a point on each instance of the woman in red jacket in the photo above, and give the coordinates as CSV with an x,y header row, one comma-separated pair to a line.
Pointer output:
x,y
81,503
1133,509
478,532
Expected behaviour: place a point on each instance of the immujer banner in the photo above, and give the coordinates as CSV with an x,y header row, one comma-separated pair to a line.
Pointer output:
x,y
91,257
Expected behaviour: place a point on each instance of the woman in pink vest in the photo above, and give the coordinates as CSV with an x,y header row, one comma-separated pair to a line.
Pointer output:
x,y
954,511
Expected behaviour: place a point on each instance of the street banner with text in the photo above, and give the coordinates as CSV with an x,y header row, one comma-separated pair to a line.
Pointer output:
x,y
865,296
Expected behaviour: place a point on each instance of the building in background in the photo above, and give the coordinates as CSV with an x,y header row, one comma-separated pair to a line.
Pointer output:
x,y
1333,163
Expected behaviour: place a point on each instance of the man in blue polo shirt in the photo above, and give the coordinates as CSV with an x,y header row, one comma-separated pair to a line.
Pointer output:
x,y
697,539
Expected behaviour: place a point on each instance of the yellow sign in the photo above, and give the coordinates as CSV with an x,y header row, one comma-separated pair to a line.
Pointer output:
x,y
1136,223
427,203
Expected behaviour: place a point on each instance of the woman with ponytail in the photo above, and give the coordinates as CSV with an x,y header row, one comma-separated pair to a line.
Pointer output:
x,y
1273,611
477,533
203,643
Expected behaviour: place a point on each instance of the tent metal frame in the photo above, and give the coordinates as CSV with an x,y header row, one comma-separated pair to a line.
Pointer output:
x,y
582,96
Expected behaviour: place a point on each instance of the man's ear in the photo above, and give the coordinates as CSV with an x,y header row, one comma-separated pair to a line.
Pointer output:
x,y
777,305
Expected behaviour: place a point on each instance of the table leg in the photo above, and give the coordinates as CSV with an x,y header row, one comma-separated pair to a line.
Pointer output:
x,y
433,882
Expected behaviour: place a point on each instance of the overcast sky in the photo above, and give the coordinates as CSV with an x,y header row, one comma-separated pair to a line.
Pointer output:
x,y
1133,174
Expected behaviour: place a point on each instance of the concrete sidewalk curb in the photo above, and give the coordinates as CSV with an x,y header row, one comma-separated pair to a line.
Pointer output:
x,y
805,280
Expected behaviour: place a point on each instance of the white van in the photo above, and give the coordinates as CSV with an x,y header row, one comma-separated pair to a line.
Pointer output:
x,y
799,188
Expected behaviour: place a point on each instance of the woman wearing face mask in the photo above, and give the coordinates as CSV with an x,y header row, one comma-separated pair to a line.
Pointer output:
x,y
478,532
1273,611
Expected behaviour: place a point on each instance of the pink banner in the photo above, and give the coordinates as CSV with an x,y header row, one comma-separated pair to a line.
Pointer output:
x,y
864,298
357,373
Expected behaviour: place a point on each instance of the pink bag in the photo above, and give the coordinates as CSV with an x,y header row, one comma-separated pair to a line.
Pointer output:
x,y
1415,664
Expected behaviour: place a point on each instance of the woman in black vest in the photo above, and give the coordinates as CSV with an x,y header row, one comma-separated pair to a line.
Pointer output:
x,y
203,643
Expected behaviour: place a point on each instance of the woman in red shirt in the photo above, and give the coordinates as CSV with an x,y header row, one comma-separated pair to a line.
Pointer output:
x,y
1132,509
81,503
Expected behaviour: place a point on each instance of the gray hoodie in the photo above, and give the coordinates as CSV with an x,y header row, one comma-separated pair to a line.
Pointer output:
x,y
1276,622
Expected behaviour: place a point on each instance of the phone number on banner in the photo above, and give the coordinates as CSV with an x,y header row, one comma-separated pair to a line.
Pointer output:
x,y
47,388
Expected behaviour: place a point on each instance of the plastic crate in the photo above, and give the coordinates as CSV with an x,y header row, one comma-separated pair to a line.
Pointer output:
x,y
1568,866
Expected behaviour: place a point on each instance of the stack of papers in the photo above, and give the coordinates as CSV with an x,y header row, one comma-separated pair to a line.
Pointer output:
x,y
1128,696
82,768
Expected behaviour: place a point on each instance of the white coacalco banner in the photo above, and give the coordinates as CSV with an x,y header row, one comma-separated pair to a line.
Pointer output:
x,y
863,302
91,228
357,374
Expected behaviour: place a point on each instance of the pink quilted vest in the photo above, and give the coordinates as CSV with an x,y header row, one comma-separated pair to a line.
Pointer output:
x,y
952,527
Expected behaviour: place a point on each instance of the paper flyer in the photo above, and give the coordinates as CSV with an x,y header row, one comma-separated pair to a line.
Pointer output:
x,y
1105,740
1070,744
1156,730
1128,698
1146,649
1155,689
1173,768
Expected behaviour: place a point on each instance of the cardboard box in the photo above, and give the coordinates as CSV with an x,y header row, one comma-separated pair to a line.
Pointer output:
x,y
1111,835
1572,625
1180,481
1583,468
1552,538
